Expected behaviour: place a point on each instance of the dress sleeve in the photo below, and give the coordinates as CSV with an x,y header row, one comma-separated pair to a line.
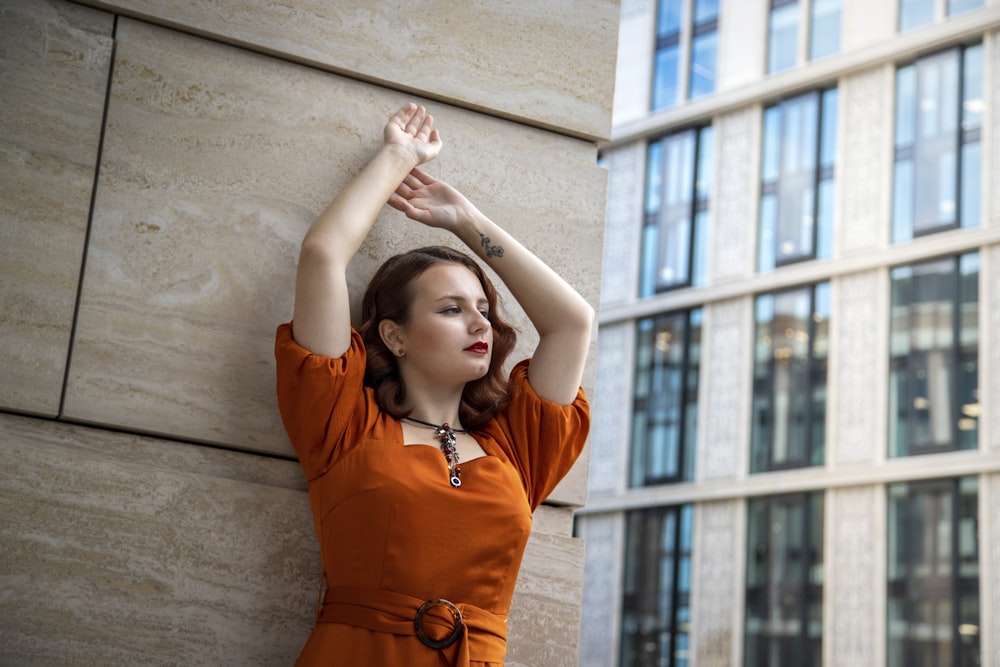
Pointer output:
x,y
544,439
319,398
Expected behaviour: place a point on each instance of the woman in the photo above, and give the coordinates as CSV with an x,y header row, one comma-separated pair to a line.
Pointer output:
x,y
421,544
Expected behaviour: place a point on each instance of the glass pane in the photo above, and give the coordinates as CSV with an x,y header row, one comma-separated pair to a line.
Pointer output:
x,y
973,102
654,177
706,153
768,231
669,17
824,31
825,219
676,209
959,6
702,78
665,83
828,136
796,188
936,150
705,10
906,105
790,349
783,38
770,155
902,201
913,13
972,165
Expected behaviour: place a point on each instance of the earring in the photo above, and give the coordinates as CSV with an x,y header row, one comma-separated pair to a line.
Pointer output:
x,y
400,352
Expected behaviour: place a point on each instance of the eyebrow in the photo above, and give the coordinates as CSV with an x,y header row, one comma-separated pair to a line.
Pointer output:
x,y
456,297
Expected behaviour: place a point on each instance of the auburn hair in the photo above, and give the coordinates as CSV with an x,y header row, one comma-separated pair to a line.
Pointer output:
x,y
389,297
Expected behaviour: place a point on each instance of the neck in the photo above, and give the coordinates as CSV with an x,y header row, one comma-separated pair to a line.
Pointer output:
x,y
437,407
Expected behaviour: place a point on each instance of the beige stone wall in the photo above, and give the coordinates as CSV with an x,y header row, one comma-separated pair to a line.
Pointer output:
x,y
158,168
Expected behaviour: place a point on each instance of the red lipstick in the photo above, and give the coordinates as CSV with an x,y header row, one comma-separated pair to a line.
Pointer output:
x,y
479,347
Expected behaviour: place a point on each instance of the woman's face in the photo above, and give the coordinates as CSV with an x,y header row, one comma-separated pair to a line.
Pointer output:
x,y
448,339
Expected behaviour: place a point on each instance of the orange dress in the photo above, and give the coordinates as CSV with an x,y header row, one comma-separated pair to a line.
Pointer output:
x,y
394,533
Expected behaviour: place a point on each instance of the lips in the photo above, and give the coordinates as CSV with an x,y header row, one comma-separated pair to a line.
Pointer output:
x,y
481,348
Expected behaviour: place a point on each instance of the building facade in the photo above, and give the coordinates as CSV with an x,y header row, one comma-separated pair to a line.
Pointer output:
x,y
796,450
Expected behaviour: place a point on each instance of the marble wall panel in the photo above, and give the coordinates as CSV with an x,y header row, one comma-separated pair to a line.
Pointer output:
x,y
116,550
716,588
603,536
544,624
216,160
866,101
857,361
853,579
733,237
545,62
625,216
612,409
54,64
990,545
742,47
991,44
866,23
722,449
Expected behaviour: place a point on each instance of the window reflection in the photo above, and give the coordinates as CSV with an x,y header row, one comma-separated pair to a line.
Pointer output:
x,y
678,187
934,345
915,13
784,618
783,30
789,396
657,588
665,399
939,105
824,28
933,573
797,180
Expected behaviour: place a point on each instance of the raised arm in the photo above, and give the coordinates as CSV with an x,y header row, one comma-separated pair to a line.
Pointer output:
x,y
561,316
322,309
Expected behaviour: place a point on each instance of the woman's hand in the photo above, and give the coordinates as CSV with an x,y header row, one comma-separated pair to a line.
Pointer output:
x,y
432,202
412,129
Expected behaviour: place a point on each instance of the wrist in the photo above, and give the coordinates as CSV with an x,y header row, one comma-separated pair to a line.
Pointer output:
x,y
401,155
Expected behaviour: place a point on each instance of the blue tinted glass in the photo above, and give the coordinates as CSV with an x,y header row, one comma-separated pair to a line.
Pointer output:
x,y
665,85
650,248
972,164
771,157
902,201
703,49
783,38
701,223
669,19
768,228
913,13
654,177
959,6
706,151
973,102
828,136
705,10
906,105
824,31
824,248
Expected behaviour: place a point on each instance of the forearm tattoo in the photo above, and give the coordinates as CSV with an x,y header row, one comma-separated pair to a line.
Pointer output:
x,y
491,250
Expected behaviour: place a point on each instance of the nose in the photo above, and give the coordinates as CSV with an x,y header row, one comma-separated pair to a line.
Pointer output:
x,y
479,322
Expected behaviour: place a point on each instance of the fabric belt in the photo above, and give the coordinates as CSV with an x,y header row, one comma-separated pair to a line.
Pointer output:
x,y
482,636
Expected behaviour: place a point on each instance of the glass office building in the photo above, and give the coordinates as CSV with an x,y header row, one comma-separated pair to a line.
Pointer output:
x,y
795,455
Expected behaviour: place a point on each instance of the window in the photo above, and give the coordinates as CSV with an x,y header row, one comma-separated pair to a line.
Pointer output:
x,y
784,605
673,35
934,346
915,13
704,45
783,35
678,187
933,573
797,180
656,611
783,31
939,118
824,29
789,387
665,409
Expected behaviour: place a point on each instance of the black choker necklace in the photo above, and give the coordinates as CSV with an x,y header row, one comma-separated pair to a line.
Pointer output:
x,y
446,436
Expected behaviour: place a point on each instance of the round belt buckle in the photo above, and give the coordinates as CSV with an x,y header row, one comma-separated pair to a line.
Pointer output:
x,y
418,623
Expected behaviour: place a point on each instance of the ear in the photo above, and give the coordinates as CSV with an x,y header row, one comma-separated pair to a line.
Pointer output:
x,y
391,335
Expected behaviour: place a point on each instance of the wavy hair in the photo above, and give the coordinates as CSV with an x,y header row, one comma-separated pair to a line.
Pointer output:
x,y
389,297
